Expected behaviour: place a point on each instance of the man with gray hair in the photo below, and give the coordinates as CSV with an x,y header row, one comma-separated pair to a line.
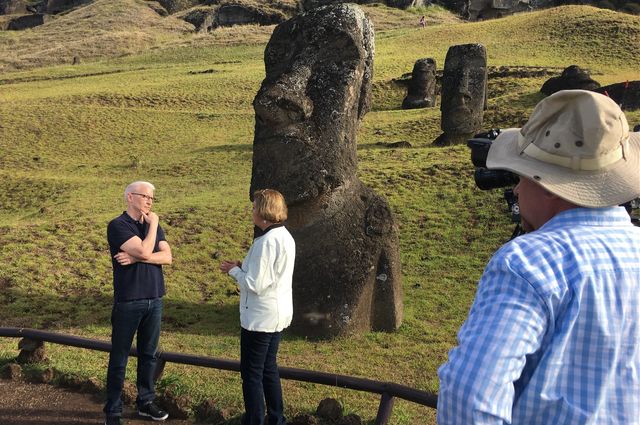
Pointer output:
x,y
553,336
138,251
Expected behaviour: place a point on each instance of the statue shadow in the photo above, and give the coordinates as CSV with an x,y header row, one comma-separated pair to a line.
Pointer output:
x,y
21,309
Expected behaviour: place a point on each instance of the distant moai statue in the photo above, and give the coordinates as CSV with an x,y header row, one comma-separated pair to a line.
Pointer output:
x,y
573,77
464,93
319,67
421,92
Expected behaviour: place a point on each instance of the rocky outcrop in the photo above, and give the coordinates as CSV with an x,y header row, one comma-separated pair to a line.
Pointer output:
x,y
464,93
202,18
240,14
400,4
489,9
421,92
319,67
573,77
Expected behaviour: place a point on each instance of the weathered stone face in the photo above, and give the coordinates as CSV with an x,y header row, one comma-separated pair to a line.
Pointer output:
x,y
464,84
317,88
422,87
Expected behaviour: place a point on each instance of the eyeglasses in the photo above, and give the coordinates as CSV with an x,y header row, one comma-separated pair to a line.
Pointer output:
x,y
147,197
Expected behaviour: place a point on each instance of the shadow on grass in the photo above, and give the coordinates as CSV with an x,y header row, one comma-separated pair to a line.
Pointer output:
x,y
226,148
53,313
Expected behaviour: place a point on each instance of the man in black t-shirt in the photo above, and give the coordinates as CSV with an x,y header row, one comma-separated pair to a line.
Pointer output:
x,y
138,251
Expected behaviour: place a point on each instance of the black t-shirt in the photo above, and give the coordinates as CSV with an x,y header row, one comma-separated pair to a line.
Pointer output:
x,y
138,280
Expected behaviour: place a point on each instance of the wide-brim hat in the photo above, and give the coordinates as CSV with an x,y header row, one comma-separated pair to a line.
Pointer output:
x,y
577,145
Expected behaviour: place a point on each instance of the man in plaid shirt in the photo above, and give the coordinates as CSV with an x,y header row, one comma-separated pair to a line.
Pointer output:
x,y
553,336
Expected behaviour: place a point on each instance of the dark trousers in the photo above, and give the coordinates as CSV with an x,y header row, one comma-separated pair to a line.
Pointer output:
x,y
260,378
127,317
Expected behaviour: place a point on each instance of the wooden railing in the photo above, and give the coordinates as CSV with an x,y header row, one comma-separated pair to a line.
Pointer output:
x,y
387,390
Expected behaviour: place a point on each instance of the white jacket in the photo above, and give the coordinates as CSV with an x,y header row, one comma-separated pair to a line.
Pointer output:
x,y
266,299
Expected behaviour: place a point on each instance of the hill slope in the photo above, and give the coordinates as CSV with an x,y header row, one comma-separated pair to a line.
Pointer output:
x,y
71,138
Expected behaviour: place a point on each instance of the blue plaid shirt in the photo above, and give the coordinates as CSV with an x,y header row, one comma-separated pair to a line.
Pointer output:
x,y
553,336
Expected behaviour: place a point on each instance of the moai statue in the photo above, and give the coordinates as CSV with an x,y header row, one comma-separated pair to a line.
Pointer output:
x,y
464,93
422,87
317,88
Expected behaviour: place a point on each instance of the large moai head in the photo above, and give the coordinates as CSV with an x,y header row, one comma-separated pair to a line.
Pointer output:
x,y
319,68
464,91
347,276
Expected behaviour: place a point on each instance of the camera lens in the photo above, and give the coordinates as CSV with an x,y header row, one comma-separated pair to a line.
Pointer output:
x,y
494,179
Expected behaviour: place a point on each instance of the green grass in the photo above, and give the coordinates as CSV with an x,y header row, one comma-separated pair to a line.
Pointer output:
x,y
72,137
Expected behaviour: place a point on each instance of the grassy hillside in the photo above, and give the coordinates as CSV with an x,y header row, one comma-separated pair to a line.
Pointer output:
x,y
71,138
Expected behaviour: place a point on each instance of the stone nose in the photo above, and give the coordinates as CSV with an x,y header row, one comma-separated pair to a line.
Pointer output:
x,y
284,101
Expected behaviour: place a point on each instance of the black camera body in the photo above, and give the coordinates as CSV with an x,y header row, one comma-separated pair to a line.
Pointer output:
x,y
488,179
494,179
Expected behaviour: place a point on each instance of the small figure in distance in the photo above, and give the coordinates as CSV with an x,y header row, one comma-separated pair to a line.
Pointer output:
x,y
552,336
138,251
423,21
266,306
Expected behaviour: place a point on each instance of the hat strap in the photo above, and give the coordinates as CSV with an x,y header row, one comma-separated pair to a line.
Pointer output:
x,y
575,162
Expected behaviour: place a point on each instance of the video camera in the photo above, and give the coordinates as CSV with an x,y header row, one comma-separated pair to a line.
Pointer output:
x,y
494,179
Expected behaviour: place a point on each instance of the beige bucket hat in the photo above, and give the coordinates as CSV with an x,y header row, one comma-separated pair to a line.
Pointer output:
x,y
577,145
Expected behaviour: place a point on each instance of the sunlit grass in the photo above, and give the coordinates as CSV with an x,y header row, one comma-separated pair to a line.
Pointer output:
x,y
72,137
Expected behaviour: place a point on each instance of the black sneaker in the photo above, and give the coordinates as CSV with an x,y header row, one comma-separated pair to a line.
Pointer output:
x,y
150,410
114,420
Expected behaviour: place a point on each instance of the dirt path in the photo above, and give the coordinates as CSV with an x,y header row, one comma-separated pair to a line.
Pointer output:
x,y
40,404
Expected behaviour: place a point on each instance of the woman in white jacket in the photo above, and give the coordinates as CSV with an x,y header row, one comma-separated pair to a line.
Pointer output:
x,y
266,306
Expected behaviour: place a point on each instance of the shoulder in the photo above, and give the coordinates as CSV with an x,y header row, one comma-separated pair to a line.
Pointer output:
x,y
119,225
275,237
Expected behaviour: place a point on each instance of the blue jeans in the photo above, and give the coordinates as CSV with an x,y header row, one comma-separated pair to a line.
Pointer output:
x,y
260,378
127,317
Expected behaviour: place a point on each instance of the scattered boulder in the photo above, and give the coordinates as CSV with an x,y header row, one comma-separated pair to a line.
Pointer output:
x,y
421,92
24,22
573,77
319,67
31,351
464,93
12,371
626,94
330,409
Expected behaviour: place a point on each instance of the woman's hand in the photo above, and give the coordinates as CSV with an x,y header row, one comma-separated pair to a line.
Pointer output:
x,y
227,265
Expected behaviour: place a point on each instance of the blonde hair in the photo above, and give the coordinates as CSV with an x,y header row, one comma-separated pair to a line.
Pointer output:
x,y
270,205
